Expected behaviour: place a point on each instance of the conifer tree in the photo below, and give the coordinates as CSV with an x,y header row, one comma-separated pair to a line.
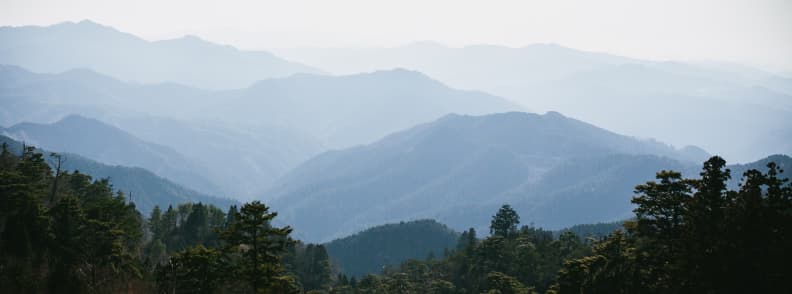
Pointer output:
x,y
504,223
260,244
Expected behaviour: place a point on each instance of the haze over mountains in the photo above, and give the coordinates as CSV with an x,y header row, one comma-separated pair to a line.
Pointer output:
x,y
555,171
670,101
267,128
188,60
344,111
460,168
144,187
334,154
93,139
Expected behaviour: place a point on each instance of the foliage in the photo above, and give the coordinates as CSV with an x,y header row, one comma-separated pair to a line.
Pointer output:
x,y
75,237
79,236
369,251
695,236
505,222
66,232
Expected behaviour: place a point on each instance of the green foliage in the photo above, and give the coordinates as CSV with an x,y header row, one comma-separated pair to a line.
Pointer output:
x,y
527,258
188,225
70,233
312,266
260,244
505,222
74,237
369,251
193,270
688,236
609,269
499,283
78,236
695,236
593,231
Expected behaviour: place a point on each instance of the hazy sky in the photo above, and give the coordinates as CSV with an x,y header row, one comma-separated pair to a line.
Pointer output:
x,y
756,32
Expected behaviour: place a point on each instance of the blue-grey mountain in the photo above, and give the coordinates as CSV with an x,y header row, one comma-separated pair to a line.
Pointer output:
x,y
143,187
93,139
251,136
188,60
461,168
674,102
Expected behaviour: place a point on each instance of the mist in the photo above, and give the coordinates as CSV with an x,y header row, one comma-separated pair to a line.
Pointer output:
x,y
444,147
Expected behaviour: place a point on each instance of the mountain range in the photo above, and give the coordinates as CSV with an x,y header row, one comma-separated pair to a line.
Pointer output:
x,y
670,101
254,134
188,60
143,187
459,169
92,139
422,131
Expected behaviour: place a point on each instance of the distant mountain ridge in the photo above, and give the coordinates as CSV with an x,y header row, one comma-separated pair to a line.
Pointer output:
x,y
254,134
675,102
458,167
344,111
93,139
187,60
143,187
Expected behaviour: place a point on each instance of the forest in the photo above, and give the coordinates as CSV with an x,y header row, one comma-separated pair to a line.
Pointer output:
x,y
64,232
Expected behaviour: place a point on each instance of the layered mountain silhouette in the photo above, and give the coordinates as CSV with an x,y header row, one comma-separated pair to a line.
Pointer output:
x,y
674,102
188,60
459,169
93,139
388,140
349,110
251,136
143,187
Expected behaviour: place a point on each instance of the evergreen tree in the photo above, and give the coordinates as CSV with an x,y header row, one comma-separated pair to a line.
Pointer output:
x,y
253,235
193,270
505,222
315,273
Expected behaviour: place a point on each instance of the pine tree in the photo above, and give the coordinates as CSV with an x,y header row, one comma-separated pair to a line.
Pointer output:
x,y
193,270
253,235
505,222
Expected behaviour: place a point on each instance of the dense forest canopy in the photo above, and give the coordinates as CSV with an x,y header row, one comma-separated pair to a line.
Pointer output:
x,y
389,245
64,232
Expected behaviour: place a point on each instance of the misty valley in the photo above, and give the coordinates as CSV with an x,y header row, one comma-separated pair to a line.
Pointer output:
x,y
188,166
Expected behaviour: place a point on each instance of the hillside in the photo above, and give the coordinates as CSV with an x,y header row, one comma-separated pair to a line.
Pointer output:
x,y
343,111
254,134
459,168
93,139
144,187
675,102
370,250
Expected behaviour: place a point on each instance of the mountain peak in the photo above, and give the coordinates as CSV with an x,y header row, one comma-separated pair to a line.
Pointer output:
x,y
80,122
88,22
85,26
399,74
75,118
554,114
189,39
189,60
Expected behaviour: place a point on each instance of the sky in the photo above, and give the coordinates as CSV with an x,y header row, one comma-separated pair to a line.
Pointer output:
x,y
751,32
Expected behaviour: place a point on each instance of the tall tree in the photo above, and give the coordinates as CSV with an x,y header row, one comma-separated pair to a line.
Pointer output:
x,y
661,216
504,223
261,244
193,270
